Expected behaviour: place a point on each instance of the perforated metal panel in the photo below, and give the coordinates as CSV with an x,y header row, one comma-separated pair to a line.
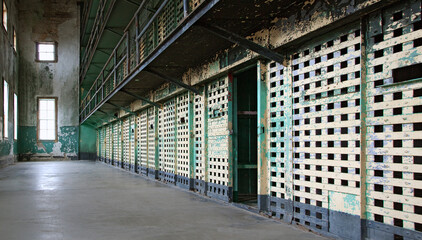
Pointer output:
x,y
183,140
142,142
132,143
151,138
280,137
109,143
168,18
218,168
326,126
169,131
161,143
394,109
117,145
198,110
315,126
126,126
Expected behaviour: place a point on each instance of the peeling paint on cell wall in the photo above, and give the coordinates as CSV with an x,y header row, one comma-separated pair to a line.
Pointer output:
x,y
40,21
340,149
8,72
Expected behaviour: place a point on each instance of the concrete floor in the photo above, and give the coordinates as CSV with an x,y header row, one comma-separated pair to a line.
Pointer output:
x,y
87,200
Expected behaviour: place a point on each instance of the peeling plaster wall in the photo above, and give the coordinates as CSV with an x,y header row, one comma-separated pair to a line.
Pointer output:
x,y
9,72
47,20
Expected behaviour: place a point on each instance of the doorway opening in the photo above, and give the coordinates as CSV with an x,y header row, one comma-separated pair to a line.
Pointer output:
x,y
245,137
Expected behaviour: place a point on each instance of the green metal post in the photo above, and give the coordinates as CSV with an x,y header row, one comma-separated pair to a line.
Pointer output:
x,y
263,157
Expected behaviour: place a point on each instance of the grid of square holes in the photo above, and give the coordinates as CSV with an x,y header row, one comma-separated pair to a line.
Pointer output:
x,y
169,116
183,135
169,17
117,145
279,100
126,141
193,4
101,146
146,43
198,130
394,164
103,143
132,141
160,140
109,142
151,137
326,124
218,136
142,139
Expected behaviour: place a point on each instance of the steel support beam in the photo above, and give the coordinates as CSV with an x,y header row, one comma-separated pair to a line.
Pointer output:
x,y
113,31
108,115
140,98
172,80
243,42
133,3
122,108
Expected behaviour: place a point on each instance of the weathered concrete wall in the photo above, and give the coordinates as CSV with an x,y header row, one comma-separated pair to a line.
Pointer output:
x,y
47,20
9,72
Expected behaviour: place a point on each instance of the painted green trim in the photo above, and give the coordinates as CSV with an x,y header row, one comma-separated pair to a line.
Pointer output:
x,y
230,161
262,128
234,135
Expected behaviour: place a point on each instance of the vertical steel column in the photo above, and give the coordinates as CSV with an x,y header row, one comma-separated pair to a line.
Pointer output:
x,y
263,157
185,8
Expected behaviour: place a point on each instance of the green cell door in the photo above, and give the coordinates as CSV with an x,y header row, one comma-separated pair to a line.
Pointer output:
x,y
245,137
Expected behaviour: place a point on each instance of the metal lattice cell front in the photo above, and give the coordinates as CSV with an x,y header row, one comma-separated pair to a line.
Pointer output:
x,y
151,141
117,145
132,143
183,176
394,109
280,141
142,142
218,140
326,128
169,135
109,144
126,126
198,111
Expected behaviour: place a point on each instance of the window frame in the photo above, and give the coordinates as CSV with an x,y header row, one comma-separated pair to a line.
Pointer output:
x,y
38,119
55,51
4,9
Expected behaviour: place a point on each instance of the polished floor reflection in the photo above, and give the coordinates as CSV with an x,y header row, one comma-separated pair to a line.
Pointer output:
x,y
87,200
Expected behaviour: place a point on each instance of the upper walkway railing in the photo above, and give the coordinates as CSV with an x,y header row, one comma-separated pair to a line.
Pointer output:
x,y
152,23
104,9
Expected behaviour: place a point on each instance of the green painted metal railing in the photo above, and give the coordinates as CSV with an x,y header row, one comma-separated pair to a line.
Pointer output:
x,y
152,23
